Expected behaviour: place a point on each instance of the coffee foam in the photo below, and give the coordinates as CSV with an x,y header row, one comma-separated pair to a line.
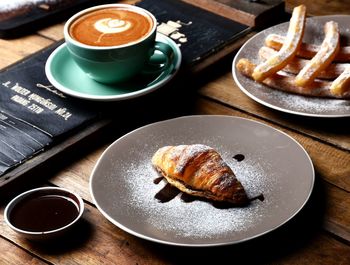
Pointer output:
x,y
111,27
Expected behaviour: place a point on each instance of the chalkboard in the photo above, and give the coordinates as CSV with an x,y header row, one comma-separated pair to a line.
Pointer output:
x,y
33,114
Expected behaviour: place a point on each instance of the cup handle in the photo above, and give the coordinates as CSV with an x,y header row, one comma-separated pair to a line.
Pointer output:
x,y
160,60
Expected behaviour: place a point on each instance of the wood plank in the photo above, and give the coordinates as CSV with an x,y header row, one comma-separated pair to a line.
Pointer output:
x,y
317,8
13,255
337,212
14,50
223,89
313,254
246,12
54,32
77,174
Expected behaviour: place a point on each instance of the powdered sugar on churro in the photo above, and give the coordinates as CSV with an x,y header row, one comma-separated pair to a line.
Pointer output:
x,y
288,102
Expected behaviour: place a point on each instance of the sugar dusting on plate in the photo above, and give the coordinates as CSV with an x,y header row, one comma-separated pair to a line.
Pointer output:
x,y
307,104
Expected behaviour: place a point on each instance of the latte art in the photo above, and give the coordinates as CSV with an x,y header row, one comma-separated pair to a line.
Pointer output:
x,y
111,27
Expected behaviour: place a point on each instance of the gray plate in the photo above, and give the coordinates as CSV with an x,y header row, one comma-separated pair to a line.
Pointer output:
x,y
275,165
286,102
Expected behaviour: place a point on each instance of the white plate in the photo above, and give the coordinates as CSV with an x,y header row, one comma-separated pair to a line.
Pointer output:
x,y
286,102
275,165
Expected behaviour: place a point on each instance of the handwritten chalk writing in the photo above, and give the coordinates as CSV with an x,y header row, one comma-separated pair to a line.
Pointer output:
x,y
50,88
6,84
63,113
3,117
20,90
20,100
35,108
35,102
172,29
42,101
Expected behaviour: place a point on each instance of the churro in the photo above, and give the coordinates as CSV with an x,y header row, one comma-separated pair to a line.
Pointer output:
x,y
341,85
300,68
277,81
295,65
306,50
325,55
288,49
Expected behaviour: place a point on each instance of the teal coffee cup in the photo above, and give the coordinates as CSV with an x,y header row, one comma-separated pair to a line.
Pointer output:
x,y
115,42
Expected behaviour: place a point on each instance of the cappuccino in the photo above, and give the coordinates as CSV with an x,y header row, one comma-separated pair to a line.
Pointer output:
x,y
113,43
112,26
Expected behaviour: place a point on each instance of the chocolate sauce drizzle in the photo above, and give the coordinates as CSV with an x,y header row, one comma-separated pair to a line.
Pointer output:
x,y
239,157
167,193
157,180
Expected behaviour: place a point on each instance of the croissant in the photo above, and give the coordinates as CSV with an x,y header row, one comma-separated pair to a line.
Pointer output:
x,y
199,170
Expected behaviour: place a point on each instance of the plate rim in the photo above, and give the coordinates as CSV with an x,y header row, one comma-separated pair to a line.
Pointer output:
x,y
272,106
118,97
140,235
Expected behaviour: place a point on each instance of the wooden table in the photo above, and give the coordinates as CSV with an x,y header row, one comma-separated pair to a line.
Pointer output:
x,y
319,234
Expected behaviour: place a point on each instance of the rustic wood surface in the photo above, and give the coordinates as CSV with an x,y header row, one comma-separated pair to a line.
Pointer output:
x,y
319,234
246,12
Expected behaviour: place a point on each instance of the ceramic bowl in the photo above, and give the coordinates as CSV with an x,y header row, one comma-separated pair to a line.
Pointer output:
x,y
44,213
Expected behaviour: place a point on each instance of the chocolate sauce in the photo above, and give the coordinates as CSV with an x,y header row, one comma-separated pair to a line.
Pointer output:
x,y
44,213
223,205
188,198
167,193
239,157
157,180
259,197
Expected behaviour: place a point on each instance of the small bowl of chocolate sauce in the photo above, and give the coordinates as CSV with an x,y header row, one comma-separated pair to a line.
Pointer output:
x,y
44,213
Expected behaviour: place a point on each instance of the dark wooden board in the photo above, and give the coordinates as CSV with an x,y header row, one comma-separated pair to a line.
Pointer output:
x,y
251,13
